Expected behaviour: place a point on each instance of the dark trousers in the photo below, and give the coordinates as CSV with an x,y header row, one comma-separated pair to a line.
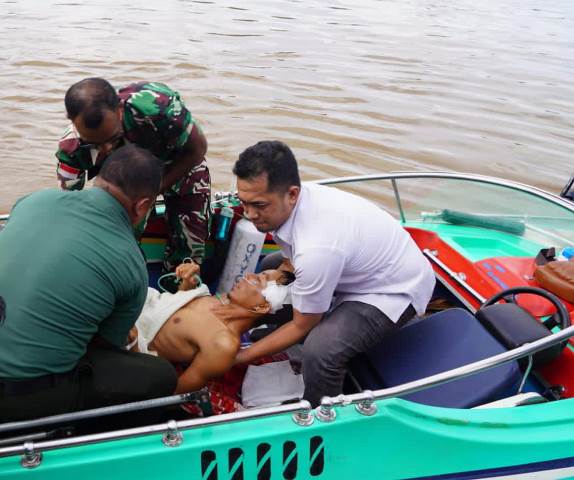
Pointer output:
x,y
105,376
350,329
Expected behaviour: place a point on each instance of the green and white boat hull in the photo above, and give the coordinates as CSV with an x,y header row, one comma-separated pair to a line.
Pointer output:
x,y
400,440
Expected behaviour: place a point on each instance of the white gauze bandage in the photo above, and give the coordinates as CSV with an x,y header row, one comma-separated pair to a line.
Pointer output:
x,y
276,295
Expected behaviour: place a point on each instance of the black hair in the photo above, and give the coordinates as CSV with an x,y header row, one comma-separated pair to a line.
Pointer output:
x,y
286,277
273,158
134,170
91,97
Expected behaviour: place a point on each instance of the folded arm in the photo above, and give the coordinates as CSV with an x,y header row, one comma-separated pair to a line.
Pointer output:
x,y
192,154
213,360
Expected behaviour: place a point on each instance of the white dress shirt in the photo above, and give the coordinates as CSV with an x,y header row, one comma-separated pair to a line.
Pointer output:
x,y
343,245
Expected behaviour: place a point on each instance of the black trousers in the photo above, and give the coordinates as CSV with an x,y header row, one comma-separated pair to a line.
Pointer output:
x,y
106,375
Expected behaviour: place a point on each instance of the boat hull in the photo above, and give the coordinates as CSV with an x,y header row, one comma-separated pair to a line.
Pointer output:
x,y
401,440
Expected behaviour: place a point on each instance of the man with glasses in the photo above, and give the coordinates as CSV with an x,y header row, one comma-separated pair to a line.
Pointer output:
x,y
152,116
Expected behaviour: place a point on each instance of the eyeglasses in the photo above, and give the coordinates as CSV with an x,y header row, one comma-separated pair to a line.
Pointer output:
x,y
113,142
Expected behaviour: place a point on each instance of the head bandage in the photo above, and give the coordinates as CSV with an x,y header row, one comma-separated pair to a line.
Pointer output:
x,y
276,295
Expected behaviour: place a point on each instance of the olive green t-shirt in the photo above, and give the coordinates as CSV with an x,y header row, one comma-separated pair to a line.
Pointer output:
x,y
70,267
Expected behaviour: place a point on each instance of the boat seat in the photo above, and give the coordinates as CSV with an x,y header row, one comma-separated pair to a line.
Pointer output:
x,y
513,327
437,343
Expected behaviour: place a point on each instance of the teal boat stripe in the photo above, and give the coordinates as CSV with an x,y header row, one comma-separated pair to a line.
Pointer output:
x,y
317,453
238,463
264,459
209,469
290,457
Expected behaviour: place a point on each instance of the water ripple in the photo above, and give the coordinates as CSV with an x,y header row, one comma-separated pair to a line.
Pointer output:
x,y
353,87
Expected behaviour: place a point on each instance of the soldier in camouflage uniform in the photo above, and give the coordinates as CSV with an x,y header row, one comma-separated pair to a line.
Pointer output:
x,y
154,117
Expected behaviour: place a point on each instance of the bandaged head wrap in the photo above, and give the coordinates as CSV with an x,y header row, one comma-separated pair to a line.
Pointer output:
x,y
276,295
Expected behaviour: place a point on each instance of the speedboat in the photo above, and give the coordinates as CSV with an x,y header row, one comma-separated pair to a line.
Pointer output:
x,y
479,388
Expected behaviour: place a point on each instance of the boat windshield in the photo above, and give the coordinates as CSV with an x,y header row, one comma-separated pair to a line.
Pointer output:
x,y
449,204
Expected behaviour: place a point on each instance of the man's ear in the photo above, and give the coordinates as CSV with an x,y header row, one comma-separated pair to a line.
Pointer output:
x,y
293,194
141,208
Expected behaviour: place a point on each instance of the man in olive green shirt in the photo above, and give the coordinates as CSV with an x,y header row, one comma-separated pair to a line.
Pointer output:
x,y
73,282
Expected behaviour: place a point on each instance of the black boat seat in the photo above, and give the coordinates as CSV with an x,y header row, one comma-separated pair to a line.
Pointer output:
x,y
513,326
435,344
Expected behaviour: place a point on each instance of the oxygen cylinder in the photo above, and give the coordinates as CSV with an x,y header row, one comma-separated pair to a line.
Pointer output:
x,y
244,251
224,222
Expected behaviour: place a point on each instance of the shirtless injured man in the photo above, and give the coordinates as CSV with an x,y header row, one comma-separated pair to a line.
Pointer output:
x,y
192,326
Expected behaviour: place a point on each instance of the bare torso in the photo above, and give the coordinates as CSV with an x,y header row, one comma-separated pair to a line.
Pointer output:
x,y
192,328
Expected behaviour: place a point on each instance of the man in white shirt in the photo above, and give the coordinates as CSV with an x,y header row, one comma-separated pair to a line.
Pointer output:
x,y
359,275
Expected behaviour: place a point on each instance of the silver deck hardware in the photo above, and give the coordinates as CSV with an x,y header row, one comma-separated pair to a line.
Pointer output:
x,y
31,458
458,277
326,412
173,437
304,417
368,406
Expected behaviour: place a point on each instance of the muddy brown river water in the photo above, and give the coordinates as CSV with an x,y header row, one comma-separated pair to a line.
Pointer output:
x,y
353,86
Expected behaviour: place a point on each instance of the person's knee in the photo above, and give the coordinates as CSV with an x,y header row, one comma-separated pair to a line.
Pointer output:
x,y
315,352
323,350
155,377
162,379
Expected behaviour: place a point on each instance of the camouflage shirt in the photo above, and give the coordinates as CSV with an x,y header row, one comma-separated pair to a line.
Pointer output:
x,y
155,118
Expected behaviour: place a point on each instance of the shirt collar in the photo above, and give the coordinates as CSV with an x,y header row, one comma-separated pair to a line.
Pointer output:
x,y
285,232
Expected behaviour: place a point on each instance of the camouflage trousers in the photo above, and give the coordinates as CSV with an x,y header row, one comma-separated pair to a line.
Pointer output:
x,y
188,216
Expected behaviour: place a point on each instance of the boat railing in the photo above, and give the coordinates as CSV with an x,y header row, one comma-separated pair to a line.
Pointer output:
x,y
67,418
457,277
302,414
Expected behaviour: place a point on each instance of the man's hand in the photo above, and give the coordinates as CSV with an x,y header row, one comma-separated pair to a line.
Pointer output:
x,y
187,272
132,339
132,334
288,334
